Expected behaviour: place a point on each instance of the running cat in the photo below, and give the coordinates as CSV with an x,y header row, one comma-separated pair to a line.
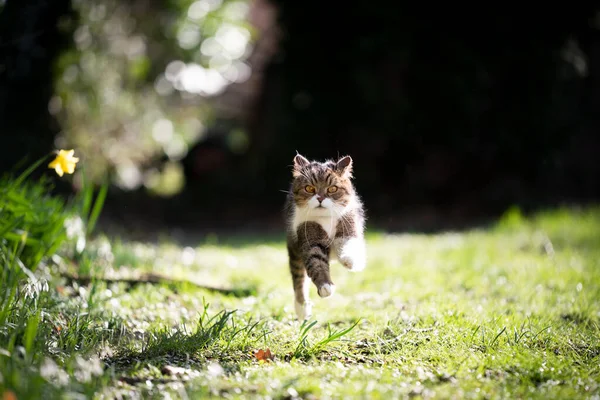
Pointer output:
x,y
325,217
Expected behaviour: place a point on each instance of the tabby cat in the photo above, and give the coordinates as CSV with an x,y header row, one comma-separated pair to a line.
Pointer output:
x,y
325,217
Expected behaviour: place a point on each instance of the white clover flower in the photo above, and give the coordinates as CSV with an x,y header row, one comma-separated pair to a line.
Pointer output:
x,y
50,371
74,227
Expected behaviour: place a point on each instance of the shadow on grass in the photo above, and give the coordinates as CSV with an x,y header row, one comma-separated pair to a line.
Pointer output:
x,y
180,347
166,345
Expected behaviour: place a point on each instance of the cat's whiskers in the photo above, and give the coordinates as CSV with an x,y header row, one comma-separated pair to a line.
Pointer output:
x,y
305,219
331,223
348,222
331,238
343,219
345,224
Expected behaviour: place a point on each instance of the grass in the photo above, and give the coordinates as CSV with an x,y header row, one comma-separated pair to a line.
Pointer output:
x,y
507,311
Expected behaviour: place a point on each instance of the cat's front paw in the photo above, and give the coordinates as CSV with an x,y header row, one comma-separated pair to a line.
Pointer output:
x,y
303,311
326,290
353,255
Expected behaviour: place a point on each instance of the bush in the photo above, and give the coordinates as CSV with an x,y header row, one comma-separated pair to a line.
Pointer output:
x,y
33,227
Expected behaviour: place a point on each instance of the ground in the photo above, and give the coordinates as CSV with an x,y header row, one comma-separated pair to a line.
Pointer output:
x,y
509,310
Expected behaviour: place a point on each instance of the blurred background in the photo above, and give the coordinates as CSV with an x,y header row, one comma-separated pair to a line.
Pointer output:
x,y
194,109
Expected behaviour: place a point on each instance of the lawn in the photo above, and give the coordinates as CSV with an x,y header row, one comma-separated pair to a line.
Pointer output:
x,y
510,310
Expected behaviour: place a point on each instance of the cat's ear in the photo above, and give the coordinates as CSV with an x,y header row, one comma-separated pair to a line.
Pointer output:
x,y
344,166
299,163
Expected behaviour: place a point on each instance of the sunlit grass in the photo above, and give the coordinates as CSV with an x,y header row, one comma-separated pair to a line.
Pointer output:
x,y
507,311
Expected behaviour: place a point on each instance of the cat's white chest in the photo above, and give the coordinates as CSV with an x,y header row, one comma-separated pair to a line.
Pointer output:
x,y
327,222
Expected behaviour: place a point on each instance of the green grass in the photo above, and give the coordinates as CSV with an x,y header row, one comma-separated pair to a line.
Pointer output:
x,y
509,311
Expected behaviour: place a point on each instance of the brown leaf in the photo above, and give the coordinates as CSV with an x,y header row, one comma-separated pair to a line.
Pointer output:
x,y
9,395
263,355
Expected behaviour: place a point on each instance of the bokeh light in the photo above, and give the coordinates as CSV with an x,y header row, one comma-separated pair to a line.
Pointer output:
x,y
133,95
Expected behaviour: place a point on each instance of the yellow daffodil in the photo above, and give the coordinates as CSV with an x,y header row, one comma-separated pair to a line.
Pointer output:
x,y
64,162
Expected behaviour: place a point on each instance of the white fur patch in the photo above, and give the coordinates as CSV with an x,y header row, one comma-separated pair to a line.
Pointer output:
x,y
327,203
327,216
353,254
326,290
303,311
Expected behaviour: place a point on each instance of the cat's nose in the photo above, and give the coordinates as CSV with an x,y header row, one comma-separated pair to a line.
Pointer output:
x,y
320,198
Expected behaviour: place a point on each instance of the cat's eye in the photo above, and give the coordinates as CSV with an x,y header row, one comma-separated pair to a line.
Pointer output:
x,y
332,189
309,189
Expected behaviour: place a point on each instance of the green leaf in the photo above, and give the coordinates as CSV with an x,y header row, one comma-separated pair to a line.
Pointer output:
x,y
31,332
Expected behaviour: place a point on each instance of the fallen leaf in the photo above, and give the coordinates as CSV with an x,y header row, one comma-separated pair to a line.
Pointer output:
x,y
9,395
263,355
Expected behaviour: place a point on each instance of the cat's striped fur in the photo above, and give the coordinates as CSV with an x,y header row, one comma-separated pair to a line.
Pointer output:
x,y
325,219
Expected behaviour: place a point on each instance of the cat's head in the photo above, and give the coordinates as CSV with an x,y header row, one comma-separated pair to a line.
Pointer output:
x,y
324,187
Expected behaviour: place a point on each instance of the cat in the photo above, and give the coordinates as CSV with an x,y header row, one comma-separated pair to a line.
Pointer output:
x,y
325,217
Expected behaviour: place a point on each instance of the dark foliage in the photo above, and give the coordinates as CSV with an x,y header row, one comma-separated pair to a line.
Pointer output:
x,y
32,33
477,108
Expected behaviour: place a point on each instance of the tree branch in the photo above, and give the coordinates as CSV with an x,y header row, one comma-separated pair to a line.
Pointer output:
x,y
158,279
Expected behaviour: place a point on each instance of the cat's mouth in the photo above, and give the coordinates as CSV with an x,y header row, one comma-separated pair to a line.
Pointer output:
x,y
321,211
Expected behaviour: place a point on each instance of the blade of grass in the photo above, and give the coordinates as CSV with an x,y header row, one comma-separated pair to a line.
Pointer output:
x,y
98,204
88,192
14,237
27,172
31,332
